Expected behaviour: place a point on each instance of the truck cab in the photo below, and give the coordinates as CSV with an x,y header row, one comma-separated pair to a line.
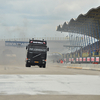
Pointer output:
x,y
36,53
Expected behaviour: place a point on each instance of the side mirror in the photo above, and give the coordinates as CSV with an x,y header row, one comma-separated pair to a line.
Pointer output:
x,y
47,49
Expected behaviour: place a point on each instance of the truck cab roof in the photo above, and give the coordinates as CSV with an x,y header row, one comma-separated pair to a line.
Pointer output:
x,y
38,42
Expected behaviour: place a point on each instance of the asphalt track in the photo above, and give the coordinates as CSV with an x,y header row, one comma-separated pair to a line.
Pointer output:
x,y
55,82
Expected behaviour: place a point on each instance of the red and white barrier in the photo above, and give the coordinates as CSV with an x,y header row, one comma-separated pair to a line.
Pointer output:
x,y
70,59
88,59
92,59
80,59
77,59
84,59
97,59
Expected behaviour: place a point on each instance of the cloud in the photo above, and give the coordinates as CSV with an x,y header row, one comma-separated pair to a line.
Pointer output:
x,y
72,8
39,17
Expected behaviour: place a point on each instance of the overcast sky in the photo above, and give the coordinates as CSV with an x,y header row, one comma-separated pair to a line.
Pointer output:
x,y
39,18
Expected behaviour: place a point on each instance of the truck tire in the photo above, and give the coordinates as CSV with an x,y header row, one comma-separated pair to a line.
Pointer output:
x,y
40,66
44,66
28,65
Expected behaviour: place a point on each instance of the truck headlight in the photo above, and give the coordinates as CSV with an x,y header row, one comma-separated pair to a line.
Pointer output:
x,y
43,60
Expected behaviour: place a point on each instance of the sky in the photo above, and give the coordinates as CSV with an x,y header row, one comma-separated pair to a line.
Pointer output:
x,y
39,18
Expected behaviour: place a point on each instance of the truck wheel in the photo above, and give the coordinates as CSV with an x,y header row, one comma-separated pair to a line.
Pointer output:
x,y
28,65
40,66
44,66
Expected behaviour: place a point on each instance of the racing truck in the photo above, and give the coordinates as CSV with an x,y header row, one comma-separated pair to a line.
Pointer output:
x,y
36,53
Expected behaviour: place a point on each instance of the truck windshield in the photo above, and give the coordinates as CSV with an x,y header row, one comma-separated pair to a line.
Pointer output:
x,y
37,49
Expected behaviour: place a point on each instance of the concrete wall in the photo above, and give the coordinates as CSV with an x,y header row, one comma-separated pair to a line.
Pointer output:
x,y
84,66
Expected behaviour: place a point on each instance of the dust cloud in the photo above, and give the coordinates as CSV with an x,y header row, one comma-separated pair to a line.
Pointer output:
x,y
12,55
16,56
